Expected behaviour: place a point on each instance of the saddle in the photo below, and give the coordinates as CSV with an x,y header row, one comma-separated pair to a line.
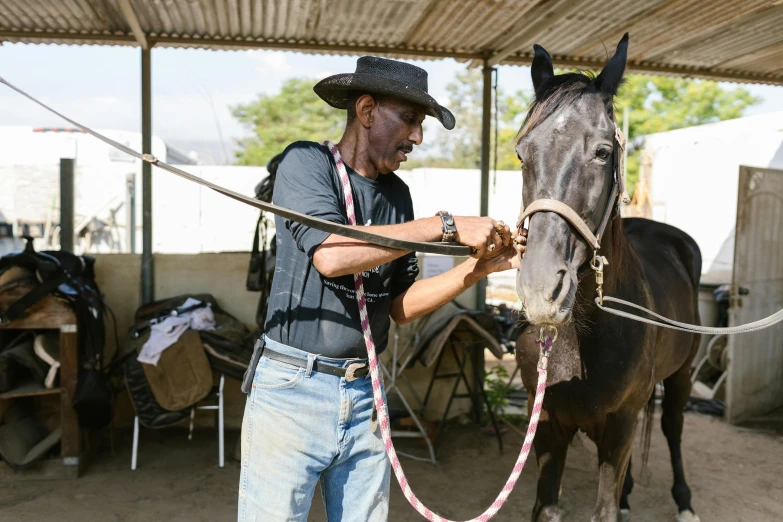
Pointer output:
x,y
165,393
72,278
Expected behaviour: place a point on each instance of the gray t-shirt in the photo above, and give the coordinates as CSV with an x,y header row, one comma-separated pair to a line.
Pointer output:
x,y
318,314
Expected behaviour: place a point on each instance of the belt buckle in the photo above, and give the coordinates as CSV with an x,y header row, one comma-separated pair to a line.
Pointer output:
x,y
351,371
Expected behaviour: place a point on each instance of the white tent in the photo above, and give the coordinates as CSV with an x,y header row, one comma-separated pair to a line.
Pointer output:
x,y
694,178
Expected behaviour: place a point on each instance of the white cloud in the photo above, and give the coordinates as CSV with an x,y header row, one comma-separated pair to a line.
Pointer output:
x,y
107,100
270,61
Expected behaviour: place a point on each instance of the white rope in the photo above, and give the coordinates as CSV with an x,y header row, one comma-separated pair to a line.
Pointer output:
x,y
685,327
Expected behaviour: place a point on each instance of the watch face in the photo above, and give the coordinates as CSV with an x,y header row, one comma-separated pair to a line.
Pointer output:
x,y
449,221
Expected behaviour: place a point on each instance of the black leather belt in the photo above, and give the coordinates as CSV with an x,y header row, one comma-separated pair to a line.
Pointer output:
x,y
351,373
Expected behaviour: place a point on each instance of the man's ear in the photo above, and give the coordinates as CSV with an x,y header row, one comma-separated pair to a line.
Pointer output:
x,y
365,109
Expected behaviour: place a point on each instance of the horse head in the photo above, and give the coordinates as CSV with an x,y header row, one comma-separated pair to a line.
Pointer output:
x,y
569,153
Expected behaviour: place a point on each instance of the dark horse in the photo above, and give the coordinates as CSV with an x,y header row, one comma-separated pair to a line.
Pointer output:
x,y
602,369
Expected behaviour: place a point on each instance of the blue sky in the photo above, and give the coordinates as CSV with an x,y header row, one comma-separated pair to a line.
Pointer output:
x,y
100,86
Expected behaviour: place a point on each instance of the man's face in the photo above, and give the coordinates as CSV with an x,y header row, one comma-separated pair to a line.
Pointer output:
x,y
395,129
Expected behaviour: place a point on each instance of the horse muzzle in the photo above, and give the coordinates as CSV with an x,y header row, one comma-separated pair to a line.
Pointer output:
x,y
546,283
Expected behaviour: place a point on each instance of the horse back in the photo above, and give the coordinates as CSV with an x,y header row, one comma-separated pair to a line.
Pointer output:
x,y
670,250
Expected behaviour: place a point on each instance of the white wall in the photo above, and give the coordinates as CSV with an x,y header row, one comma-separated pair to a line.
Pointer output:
x,y
24,146
695,172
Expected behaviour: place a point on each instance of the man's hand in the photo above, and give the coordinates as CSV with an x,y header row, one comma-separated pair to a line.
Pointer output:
x,y
505,258
484,234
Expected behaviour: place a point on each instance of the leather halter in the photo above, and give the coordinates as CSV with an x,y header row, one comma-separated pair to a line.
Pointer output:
x,y
617,195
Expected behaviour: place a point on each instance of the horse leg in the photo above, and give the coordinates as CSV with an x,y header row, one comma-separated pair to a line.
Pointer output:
x,y
677,389
551,445
614,453
625,507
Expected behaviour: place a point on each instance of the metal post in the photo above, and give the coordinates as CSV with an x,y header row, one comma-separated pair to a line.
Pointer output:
x,y
486,119
130,212
66,204
147,273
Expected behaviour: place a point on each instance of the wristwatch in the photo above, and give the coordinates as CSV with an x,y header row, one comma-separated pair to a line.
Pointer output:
x,y
449,228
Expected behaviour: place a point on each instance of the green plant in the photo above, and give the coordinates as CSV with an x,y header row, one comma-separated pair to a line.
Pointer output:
x,y
496,388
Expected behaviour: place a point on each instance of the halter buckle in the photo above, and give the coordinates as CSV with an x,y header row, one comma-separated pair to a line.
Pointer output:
x,y
546,338
597,264
542,334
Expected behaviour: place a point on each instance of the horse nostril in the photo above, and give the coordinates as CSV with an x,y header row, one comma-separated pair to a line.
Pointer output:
x,y
559,287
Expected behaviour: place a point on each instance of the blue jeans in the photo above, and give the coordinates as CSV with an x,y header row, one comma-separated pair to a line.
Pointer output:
x,y
302,426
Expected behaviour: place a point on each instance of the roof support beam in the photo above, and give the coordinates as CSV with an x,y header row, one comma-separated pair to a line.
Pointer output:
x,y
133,21
660,70
486,120
147,269
408,52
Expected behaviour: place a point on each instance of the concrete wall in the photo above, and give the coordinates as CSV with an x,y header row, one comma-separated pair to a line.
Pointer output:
x,y
223,276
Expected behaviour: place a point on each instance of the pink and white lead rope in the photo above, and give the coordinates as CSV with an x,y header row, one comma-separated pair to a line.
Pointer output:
x,y
380,405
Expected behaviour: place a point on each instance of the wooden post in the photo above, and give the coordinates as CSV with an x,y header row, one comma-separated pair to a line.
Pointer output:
x,y
69,373
66,203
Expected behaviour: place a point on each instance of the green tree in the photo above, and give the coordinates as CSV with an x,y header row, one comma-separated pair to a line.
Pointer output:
x,y
295,113
464,142
655,104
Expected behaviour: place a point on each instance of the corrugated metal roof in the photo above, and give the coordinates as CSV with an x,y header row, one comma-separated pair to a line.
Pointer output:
x,y
738,40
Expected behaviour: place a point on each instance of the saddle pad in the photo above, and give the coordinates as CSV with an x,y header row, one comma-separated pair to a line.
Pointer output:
x,y
183,376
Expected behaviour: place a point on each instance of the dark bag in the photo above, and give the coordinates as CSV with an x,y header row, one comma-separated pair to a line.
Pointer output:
x,y
256,272
93,399
262,262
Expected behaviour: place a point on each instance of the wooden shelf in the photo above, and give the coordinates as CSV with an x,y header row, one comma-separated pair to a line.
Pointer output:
x,y
51,313
29,389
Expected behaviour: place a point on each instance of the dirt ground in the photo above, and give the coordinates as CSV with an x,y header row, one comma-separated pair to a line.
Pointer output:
x,y
735,475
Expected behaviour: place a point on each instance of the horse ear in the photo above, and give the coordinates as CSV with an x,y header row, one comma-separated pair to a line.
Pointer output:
x,y
611,75
541,70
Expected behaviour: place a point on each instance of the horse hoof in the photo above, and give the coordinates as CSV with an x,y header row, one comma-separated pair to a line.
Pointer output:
x,y
687,516
625,514
550,514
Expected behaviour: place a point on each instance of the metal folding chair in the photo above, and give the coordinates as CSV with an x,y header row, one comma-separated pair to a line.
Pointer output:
x,y
475,394
401,358
221,434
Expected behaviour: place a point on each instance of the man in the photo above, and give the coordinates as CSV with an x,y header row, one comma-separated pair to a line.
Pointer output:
x,y
309,413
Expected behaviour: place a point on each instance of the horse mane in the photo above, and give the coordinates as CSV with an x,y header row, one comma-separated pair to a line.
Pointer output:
x,y
621,252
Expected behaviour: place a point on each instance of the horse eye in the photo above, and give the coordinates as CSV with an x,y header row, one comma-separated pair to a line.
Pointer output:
x,y
603,153
521,163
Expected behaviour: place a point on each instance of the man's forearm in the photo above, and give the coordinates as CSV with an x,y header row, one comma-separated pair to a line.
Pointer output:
x,y
339,255
429,294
